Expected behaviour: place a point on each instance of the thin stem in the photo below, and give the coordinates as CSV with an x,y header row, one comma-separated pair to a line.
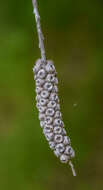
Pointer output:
x,y
39,30
72,167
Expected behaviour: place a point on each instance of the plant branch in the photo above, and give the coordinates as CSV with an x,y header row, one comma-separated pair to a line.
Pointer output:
x,y
39,30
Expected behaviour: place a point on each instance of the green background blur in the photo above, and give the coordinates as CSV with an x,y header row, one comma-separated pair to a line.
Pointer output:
x,y
73,33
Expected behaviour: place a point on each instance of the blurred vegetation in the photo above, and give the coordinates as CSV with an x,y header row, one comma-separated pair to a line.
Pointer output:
x,y
74,40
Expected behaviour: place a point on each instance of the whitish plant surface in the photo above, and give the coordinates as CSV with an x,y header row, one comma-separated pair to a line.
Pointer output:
x,y
50,117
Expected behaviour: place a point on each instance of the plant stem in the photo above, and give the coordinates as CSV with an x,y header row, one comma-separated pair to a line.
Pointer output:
x,y
72,167
39,30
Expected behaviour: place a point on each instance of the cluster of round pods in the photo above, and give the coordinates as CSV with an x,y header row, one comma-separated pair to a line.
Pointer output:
x,y
49,110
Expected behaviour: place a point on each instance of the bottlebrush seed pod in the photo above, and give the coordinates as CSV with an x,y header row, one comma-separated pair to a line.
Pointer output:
x,y
48,102
49,110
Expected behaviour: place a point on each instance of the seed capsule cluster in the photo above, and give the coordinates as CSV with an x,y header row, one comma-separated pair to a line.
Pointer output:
x,y
49,110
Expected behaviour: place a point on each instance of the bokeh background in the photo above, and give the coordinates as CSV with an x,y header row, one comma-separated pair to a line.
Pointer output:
x,y
73,33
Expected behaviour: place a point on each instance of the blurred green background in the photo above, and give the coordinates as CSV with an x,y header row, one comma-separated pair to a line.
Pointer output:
x,y
73,33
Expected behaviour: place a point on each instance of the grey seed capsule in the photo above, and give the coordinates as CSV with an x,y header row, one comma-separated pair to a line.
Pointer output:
x,y
41,74
38,89
42,123
52,145
72,154
64,131
35,77
43,101
44,94
49,136
60,147
58,138
50,112
57,114
34,71
55,89
54,97
52,104
66,140
58,122
48,120
37,66
57,152
37,98
56,80
69,151
42,109
57,107
50,67
57,130
39,82
41,116
48,128
38,105
50,78
48,86
64,158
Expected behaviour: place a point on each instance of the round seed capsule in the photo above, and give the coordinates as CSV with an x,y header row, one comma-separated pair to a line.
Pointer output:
x,y
50,78
72,154
64,158
57,121
54,97
34,71
60,147
38,98
37,66
48,128
42,123
42,109
52,145
49,136
66,140
57,153
52,104
43,102
35,77
56,80
48,86
57,114
38,105
39,82
57,107
50,112
41,74
41,116
64,132
50,67
58,138
48,120
44,94
38,89
69,151
55,89
57,130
